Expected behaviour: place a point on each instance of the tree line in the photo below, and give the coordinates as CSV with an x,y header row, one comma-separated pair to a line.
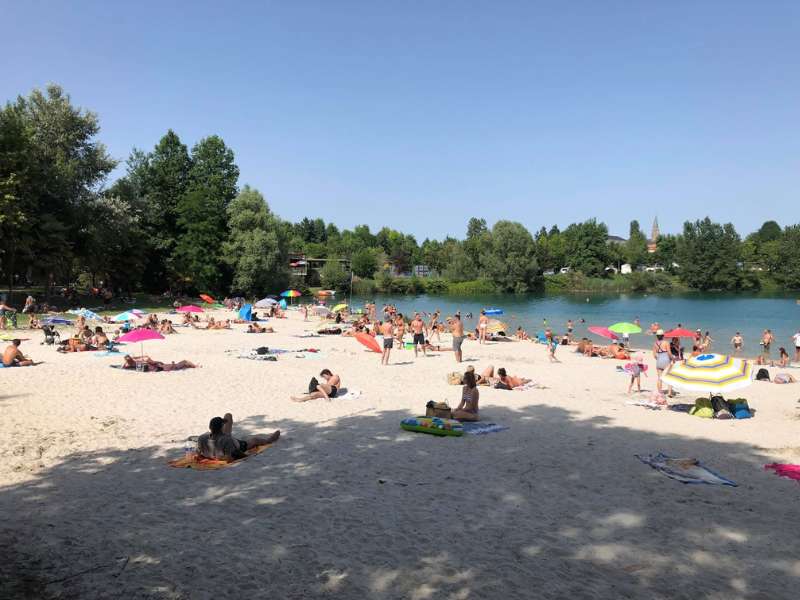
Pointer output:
x,y
177,220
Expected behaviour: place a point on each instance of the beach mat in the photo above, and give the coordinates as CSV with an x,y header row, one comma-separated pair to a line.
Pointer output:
x,y
785,470
210,464
685,470
477,428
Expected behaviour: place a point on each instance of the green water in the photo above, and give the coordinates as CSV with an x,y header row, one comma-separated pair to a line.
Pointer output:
x,y
721,314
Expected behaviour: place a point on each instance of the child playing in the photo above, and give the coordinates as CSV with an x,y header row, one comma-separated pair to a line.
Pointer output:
x,y
636,370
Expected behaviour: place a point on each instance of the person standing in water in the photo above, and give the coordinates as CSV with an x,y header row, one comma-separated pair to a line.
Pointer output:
x,y
737,342
483,323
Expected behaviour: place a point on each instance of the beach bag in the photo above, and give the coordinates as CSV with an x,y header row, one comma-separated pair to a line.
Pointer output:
x,y
721,409
438,409
762,375
455,378
740,408
702,408
312,385
262,350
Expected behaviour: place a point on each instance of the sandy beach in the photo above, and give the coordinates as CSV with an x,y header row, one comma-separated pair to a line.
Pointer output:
x,y
346,505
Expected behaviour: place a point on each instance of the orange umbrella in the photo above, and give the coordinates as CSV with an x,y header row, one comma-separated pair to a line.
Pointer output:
x,y
206,298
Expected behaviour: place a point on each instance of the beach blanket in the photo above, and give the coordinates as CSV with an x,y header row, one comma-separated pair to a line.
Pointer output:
x,y
210,464
476,428
646,403
685,470
350,395
529,386
785,470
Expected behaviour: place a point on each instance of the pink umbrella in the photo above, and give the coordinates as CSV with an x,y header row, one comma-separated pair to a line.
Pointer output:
x,y
190,308
603,332
140,335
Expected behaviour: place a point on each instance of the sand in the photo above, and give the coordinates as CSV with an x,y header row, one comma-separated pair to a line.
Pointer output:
x,y
347,505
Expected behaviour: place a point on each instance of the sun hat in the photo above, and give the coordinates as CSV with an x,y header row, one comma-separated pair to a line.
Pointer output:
x,y
660,332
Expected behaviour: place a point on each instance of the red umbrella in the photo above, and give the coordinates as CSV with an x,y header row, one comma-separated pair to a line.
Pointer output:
x,y
603,332
190,308
679,333
368,341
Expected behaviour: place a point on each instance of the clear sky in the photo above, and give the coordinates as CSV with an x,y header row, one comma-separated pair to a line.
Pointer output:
x,y
418,115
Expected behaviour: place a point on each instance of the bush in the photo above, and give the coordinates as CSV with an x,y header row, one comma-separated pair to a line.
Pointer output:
x,y
435,286
364,287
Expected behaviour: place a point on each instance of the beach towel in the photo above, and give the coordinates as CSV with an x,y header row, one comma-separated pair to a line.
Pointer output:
x,y
211,464
646,403
107,353
529,386
785,470
350,395
476,428
308,334
685,470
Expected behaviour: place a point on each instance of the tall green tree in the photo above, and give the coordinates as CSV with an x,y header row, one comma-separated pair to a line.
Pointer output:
x,y
586,247
255,249
787,263
635,251
709,255
511,262
364,262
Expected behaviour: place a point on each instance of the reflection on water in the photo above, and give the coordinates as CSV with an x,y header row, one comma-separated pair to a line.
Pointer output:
x,y
721,314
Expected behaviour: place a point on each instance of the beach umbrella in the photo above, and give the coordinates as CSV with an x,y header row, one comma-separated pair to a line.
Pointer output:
x,y
126,316
709,373
603,332
679,333
326,293
190,308
625,328
137,311
282,304
339,307
266,302
495,326
207,299
321,311
56,321
291,294
140,335
367,340
86,314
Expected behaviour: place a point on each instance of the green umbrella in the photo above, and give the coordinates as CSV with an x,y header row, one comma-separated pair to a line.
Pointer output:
x,y
625,328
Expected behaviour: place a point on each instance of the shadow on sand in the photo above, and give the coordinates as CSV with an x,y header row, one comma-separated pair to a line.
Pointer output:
x,y
578,517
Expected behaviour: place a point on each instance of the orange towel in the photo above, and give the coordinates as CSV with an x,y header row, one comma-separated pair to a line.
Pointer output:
x,y
212,464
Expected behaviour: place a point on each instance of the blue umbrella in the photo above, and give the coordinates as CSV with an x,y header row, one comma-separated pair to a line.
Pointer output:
x,y
246,312
126,316
86,314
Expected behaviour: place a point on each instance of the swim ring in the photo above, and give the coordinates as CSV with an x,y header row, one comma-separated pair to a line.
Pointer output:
x,y
433,425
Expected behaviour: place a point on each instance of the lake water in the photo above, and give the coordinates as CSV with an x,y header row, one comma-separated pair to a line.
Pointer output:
x,y
721,314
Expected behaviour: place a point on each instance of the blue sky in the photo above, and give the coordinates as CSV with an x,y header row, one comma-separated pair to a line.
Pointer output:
x,y
418,115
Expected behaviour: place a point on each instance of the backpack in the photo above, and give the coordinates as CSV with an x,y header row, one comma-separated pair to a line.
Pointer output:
x,y
740,408
721,409
312,385
762,375
702,408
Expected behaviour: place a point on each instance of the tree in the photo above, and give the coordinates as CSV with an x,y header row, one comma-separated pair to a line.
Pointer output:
x,y
478,243
459,266
787,263
196,257
214,170
709,255
635,252
364,262
511,262
255,246
666,253
333,276
586,248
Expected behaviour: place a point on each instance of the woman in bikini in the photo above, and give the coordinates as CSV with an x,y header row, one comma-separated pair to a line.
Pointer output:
x,y
663,356
467,409
148,364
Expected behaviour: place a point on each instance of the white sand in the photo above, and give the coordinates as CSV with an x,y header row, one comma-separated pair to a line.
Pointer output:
x,y
348,506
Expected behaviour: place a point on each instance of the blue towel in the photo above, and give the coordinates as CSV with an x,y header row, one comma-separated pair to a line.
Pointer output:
x,y
477,428
684,470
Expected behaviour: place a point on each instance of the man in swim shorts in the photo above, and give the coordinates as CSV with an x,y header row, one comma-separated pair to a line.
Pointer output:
x,y
418,329
457,329
327,389
12,357
738,344
219,444
388,340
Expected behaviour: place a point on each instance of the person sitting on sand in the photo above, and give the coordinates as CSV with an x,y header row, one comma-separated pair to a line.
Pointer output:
x,y
34,322
187,318
13,357
783,358
327,389
467,410
521,334
74,344
219,443
99,339
166,327
147,364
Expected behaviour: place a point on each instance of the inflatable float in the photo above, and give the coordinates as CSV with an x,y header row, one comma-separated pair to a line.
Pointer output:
x,y
368,341
493,311
433,425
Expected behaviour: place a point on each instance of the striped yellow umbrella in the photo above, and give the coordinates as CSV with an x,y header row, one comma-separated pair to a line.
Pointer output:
x,y
495,326
709,373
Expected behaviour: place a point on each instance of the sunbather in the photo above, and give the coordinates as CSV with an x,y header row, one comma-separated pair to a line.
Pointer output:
x,y
220,444
256,328
100,339
509,382
467,410
148,364
13,357
326,389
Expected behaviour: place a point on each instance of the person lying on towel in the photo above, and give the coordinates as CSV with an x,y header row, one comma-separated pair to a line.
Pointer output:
x,y
219,444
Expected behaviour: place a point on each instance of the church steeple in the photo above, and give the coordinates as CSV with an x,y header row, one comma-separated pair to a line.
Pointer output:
x,y
656,232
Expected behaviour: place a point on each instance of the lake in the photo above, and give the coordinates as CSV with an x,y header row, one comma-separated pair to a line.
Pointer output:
x,y
721,314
